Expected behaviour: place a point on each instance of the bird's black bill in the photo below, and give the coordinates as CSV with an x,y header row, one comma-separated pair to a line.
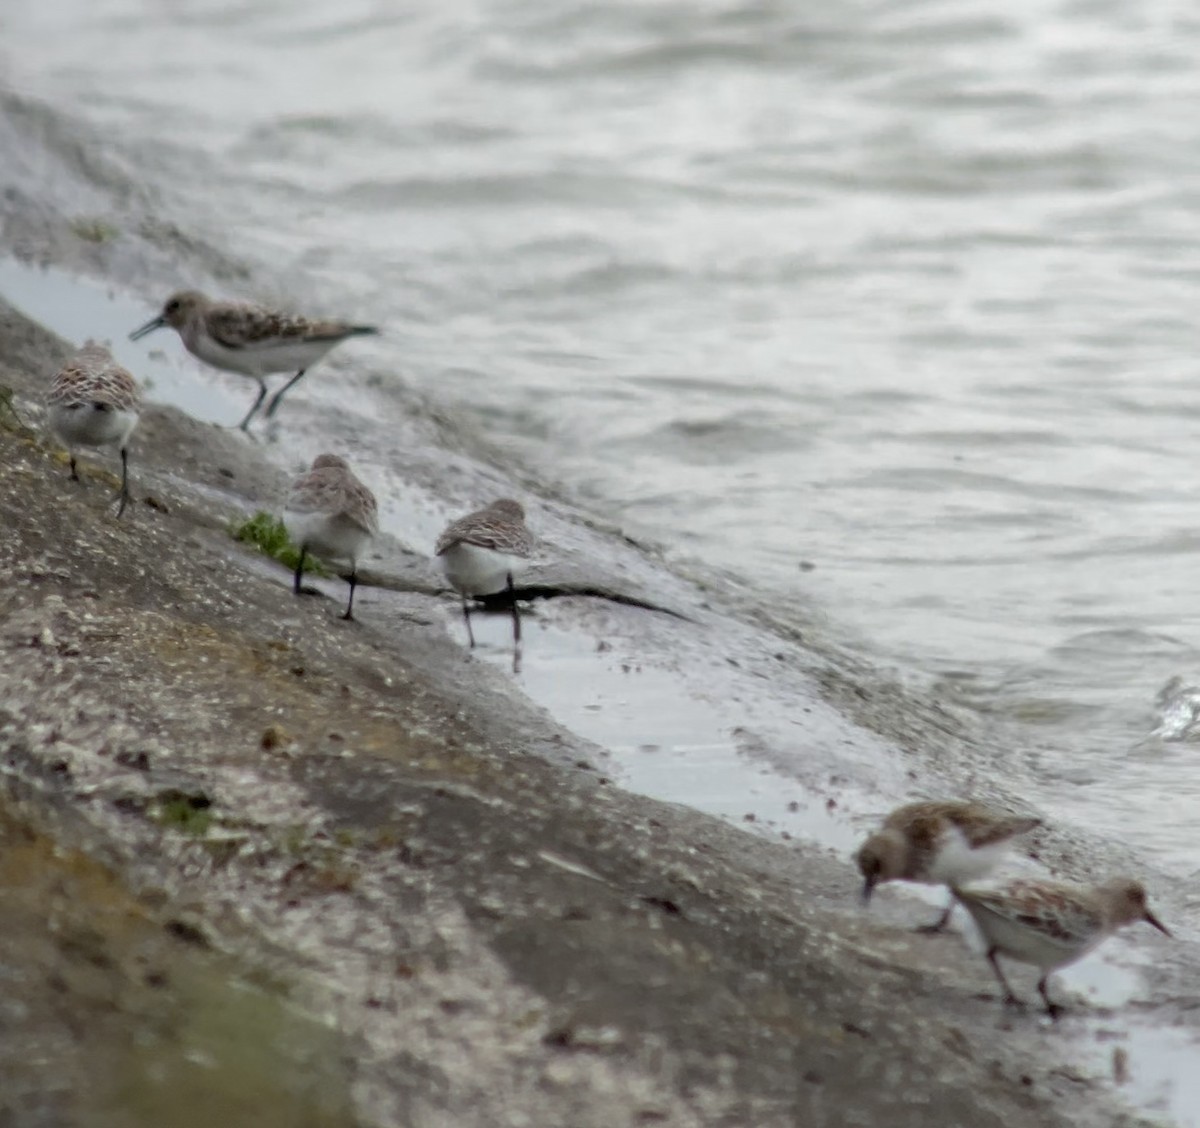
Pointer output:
x,y
149,327
1150,918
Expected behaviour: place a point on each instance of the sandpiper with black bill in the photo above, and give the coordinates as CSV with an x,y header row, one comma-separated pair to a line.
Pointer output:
x,y
94,402
330,514
1051,924
938,843
480,552
250,339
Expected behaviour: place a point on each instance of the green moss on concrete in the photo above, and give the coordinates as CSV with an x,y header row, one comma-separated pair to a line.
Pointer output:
x,y
268,534
189,814
92,229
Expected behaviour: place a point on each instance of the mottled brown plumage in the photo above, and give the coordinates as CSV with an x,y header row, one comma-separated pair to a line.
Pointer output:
x,y
1051,924
92,401
92,375
499,527
938,843
241,325
923,826
331,514
331,489
479,553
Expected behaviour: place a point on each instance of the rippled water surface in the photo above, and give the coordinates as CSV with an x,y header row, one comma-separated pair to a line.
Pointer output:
x,y
904,290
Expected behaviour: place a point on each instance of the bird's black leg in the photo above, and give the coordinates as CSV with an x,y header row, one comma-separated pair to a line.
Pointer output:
x,y
74,472
515,613
467,618
279,394
941,921
296,588
124,482
244,425
1052,1009
1010,1000
352,580
516,627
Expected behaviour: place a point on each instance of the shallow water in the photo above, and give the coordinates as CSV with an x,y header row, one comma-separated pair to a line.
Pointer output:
x,y
902,290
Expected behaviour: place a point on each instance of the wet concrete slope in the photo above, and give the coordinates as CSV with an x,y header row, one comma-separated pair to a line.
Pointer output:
x,y
262,866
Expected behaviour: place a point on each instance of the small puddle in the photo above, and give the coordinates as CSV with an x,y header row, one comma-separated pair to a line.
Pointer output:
x,y
666,737
1162,1074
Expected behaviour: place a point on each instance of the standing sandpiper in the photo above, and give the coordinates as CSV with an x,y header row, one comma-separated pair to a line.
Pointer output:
x,y
480,553
330,514
938,844
250,339
1050,924
94,402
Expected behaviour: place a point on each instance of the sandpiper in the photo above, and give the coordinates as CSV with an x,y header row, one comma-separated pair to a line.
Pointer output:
x,y
250,339
938,843
480,551
1050,924
330,514
94,402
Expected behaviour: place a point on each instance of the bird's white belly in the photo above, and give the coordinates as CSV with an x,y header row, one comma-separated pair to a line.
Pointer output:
x,y
85,424
260,360
1020,942
332,538
473,570
957,864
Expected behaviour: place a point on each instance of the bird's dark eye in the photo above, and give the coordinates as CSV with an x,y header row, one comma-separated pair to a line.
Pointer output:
x,y
172,306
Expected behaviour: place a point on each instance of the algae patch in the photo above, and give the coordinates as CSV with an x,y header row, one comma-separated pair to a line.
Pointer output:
x,y
226,1052
189,814
9,418
267,533
114,1017
93,229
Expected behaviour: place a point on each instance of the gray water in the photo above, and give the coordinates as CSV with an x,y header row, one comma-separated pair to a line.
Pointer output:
x,y
905,291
